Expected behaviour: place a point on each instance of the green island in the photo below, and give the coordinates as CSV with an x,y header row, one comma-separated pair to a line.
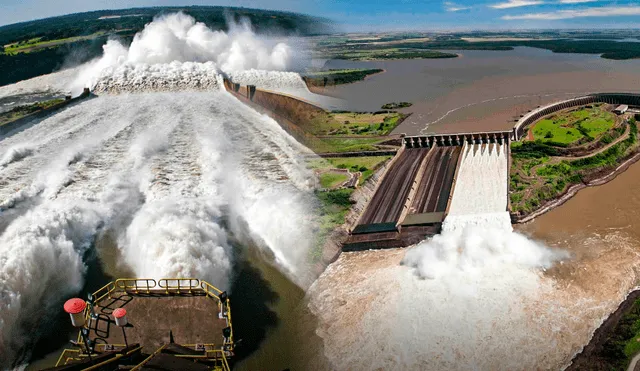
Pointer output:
x,y
568,148
395,105
24,110
338,77
365,54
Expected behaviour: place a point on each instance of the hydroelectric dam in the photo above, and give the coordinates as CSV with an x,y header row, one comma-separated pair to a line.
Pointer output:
x,y
458,177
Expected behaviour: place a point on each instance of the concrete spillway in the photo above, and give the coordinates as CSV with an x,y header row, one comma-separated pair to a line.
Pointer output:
x,y
480,193
388,201
435,184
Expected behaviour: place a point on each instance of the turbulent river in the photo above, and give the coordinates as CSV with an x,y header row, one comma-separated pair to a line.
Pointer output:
x,y
172,176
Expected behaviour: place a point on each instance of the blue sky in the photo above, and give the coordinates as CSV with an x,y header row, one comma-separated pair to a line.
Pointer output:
x,y
369,15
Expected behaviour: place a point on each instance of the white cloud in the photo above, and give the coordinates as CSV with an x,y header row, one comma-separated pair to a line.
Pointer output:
x,y
453,7
609,11
576,1
516,4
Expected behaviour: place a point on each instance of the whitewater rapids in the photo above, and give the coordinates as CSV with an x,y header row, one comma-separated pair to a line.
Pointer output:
x,y
175,177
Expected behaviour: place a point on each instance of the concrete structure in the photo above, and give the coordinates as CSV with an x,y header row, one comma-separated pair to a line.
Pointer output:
x,y
609,98
428,141
621,109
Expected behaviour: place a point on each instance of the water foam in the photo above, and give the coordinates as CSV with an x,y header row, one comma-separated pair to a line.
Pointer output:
x,y
176,51
270,80
172,176
16,153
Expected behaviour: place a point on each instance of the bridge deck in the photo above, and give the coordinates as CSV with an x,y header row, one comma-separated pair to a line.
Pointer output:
x,y
387,203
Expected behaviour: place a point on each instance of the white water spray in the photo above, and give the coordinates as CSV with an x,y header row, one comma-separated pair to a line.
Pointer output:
x,y
171,175
176,51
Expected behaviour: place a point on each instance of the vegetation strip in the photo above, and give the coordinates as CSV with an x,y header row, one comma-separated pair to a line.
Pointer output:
x,y
338,77
541,177
25,110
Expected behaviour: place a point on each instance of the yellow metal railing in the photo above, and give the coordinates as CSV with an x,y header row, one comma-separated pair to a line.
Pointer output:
x,y
104,291
218,355
167,286
139,366
177,284
136,284
65,356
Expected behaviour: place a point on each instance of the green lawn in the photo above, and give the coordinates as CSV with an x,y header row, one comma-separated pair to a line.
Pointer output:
x,y
37,43
559,134
569,127
334,206
327,145
354,123
331,179
366,164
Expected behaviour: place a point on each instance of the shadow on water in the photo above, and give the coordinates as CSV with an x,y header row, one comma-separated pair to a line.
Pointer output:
x,y
251,297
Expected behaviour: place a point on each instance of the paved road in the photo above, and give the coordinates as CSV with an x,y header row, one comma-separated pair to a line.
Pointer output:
x,y
387,203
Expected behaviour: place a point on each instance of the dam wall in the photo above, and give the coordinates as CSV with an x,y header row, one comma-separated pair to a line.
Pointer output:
x,y
18,123
288,111
609,98
428,141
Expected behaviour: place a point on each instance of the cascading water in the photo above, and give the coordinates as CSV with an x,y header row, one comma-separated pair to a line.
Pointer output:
x,y
480,193
175,176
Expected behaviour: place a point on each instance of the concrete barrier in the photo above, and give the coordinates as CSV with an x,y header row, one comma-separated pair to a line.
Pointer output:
x,y
428,141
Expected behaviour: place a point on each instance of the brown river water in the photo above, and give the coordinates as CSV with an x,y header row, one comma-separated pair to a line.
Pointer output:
x,y
482,90
368,311
376,314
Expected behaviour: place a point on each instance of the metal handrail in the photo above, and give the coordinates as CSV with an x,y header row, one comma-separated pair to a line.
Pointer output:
x,y
62,356
208,288
139,365
115,358
99,294
222,358
133,284
189,285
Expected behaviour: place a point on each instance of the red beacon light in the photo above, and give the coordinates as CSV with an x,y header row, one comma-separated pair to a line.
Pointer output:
x,y
75,307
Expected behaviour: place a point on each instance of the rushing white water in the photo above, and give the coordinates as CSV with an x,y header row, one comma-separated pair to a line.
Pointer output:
x,y
175,49
172,175
270,80
480,194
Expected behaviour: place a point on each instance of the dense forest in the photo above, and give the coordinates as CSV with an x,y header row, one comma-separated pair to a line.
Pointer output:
x,y
20,66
